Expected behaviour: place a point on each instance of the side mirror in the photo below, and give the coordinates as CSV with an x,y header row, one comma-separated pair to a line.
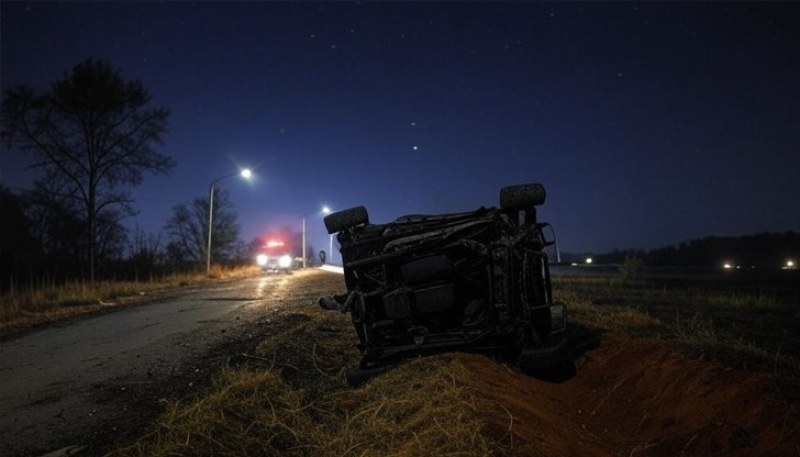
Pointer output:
x,y
547,240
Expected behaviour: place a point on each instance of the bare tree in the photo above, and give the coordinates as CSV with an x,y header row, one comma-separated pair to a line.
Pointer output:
x,y
146,245
188,229
60,230
145,253
94,132
186,234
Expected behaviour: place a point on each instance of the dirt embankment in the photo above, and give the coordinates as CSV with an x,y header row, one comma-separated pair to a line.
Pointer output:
x,y
634,397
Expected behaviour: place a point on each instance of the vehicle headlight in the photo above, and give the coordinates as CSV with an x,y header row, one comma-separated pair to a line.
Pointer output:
x,y
261,260
558,318
285,261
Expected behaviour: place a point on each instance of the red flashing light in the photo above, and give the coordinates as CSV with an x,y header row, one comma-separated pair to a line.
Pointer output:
x,y
274,243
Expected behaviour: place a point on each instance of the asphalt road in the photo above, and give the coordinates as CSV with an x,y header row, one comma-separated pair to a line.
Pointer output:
x,y
81,381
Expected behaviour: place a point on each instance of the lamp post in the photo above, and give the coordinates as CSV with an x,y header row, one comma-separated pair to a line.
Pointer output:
x,y
305,254
244,173
327,210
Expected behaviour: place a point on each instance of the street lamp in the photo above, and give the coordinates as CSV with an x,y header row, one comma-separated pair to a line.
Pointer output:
x,y
244,173
327,210
305,253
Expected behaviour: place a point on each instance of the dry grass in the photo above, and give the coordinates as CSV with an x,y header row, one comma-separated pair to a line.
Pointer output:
x,y
611,315
698,335
741,302
421,408
48,302
296,403
746,330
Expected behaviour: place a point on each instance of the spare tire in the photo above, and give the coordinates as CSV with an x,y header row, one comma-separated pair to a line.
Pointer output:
x,y
343,220
522,196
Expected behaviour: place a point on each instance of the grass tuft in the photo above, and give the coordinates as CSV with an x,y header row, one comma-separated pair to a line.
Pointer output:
x,y
741,302
699,336
422,407
248,412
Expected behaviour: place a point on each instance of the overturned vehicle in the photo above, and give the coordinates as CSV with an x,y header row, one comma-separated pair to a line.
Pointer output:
x,y
474,281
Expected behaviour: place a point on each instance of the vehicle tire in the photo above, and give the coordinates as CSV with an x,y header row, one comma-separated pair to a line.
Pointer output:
x,y
522,196
343,220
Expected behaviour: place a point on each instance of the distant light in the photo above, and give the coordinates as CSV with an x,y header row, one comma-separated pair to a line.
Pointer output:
x,y
589,260
727,266
415,148
261,260
285,261
274,243
790,264
246,173
326,209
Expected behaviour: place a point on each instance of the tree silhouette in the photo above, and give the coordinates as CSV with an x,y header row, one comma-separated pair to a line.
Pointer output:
x,y
94,132
20,254
188,229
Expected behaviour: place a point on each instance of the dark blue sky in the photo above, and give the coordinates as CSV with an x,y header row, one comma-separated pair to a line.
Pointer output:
x,y
649,124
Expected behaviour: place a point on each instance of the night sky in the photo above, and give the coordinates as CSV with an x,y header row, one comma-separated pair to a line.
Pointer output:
x,y
648,124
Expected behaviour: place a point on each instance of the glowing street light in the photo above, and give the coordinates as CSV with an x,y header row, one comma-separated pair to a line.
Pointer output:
x,y
244,173
589,261
790,264
327,210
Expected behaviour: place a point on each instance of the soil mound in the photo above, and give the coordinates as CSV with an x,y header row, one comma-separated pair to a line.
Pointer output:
x,y
637,397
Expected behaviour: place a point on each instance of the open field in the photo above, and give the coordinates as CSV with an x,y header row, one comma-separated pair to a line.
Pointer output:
x,y
773,281
661,372
753,331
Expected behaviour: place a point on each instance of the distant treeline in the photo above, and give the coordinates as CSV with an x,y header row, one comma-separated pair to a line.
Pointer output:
x,y
43,241
765,250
